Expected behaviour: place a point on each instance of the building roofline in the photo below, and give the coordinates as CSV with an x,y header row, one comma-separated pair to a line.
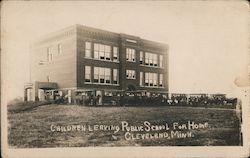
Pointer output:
x,y
53,34
120,34
92,29
88,28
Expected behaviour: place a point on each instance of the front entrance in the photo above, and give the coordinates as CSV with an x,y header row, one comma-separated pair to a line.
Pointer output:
x,y
28,94
41,95
99,97
37,91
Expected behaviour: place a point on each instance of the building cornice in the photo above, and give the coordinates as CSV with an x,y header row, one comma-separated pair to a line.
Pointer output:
x,y
89,32
98,34
65,33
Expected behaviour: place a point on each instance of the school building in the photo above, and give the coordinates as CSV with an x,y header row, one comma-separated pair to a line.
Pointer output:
x,y
83,61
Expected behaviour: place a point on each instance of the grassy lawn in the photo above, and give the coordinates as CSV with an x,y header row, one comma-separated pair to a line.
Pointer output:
x,y
32,128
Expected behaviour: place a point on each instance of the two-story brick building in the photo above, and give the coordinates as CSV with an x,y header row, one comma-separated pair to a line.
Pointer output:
x,y
85,61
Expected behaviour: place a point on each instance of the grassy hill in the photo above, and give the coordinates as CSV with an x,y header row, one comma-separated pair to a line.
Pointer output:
x,y
37,127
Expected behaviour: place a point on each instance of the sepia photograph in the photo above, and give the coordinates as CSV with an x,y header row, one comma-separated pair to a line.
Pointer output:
x,y
125,78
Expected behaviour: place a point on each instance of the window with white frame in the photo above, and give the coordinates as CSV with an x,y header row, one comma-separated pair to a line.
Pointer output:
x,y
151,59
155,79
130,74
107,75
87,74
107,52
141,57
141,78
151,79
49,54
88,49
96,51
160,61
130,54
102,75
59,48
115,54
155,60
115,76
151,75
102,51
160,80
146,58
146,79
96,74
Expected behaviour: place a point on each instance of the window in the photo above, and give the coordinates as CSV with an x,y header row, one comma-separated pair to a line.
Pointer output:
x,y
115,76
151,59
108,93
107,75
96,74
161,61
141,57
146,79
151,79
102,52
154,60
102,75
87,74
130,54
96,51
146,58
155,79
88,49
107,51
49,54
115,54
130,74
59,48
160,80
141,78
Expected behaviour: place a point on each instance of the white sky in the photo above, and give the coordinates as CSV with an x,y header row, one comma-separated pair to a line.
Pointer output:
x,y
208,41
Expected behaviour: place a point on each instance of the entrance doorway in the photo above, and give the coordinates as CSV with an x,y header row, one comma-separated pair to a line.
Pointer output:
x,y
99,97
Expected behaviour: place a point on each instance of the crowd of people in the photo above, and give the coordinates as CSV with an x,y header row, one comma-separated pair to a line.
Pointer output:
x,y
162,99
181,100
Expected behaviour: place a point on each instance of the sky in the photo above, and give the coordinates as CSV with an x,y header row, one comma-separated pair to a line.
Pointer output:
x,y
208,40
